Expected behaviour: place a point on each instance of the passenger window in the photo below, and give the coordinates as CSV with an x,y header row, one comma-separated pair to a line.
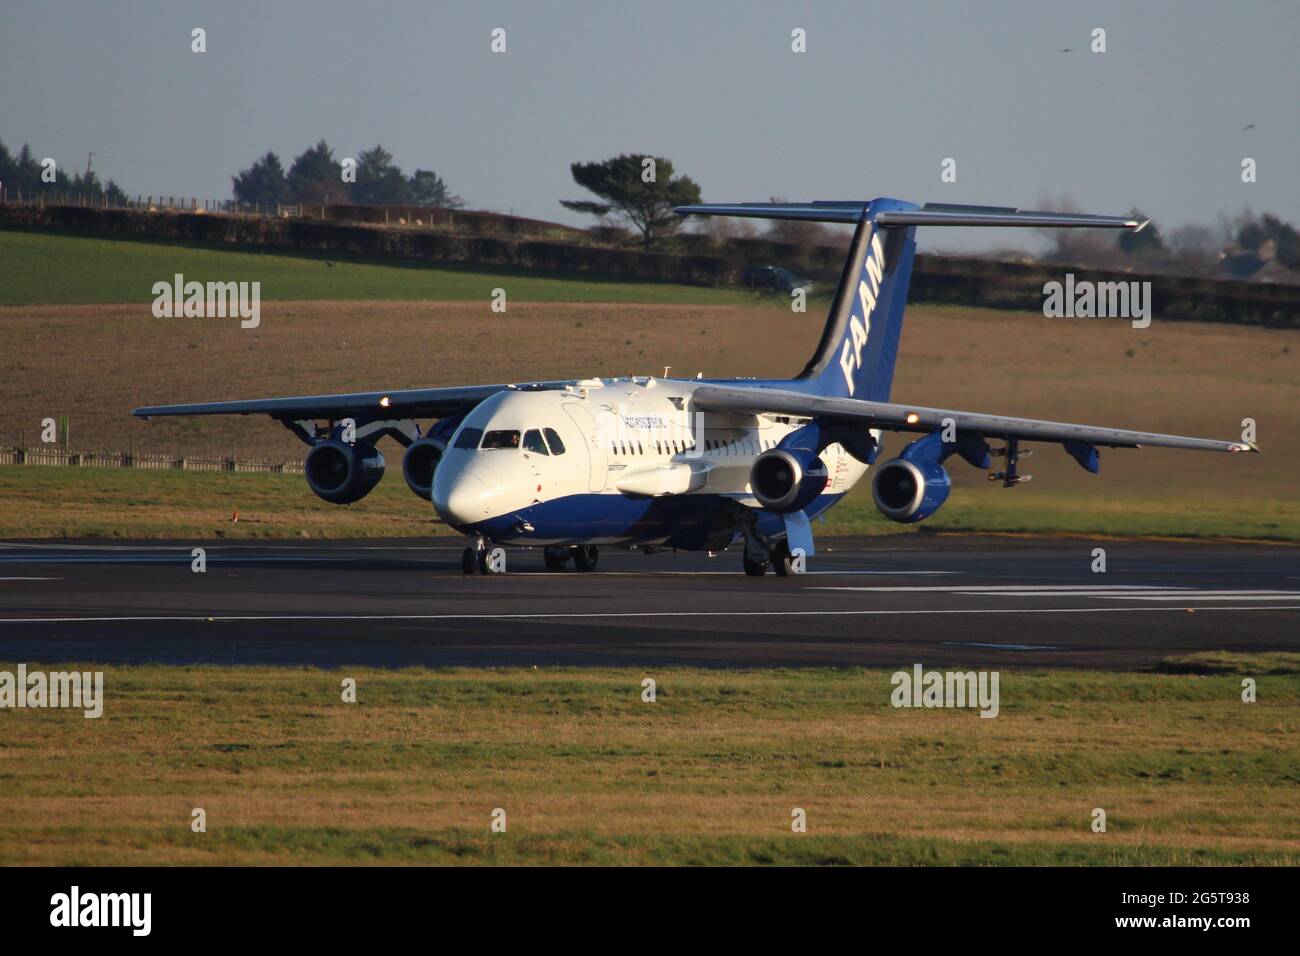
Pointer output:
x,y
553,439
468,437
501,439
533,442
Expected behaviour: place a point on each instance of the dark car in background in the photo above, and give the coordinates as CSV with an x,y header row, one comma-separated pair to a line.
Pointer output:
x,y
774,279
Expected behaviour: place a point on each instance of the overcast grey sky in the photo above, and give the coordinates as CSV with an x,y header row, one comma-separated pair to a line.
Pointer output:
x,y
884,93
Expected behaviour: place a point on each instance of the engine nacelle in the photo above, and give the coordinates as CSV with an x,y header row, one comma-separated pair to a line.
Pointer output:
x,y
420,462
341,473
909,491
785,480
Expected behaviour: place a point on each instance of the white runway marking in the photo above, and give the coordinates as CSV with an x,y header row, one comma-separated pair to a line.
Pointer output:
x,y
574,615
1109,592
1162,595
972,588
806,574
1004,647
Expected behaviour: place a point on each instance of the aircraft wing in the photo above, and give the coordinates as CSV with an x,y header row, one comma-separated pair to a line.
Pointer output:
x,y
404,403
916,418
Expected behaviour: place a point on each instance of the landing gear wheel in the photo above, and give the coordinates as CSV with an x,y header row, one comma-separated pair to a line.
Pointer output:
x,y
782,563
486,565
585,557
556,558
473,560
754,568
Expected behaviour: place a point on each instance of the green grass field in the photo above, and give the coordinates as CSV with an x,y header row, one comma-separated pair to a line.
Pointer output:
x,y
58,269
44,502
710,773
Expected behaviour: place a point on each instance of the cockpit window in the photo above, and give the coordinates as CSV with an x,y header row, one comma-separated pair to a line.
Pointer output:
x,y
553,439
501,439
533,442
468,437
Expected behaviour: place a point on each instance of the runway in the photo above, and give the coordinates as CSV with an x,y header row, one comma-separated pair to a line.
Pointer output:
x,y
876,602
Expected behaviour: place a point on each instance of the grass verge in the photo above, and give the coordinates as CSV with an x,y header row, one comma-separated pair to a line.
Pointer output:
x,y
54,502
707,774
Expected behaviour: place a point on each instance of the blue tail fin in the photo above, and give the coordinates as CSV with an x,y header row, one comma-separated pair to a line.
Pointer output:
x,y
859,346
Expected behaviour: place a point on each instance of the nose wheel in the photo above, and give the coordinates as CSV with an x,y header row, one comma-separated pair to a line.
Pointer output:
x,y
480,559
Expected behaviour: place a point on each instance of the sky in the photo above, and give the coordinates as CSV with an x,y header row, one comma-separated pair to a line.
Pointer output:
x,y
884,93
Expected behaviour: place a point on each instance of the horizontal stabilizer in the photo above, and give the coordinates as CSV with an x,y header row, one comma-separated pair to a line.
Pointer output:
x,y
931,214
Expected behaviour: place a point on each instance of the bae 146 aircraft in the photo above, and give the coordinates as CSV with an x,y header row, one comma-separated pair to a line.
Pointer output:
x,y
696,464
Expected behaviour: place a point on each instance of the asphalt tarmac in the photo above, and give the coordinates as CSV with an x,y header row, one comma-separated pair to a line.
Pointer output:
x,y
878,602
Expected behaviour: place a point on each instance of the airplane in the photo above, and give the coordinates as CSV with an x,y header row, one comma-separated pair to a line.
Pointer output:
x,y
695,464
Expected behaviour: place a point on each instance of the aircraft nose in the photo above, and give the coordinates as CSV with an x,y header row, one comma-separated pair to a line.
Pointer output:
x,y
467,496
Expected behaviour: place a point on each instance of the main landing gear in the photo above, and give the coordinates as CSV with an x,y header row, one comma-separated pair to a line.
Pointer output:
x,y
481,558
584,557
778,558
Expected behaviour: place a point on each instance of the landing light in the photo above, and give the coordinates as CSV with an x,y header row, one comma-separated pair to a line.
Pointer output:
x,y
384,402
913,418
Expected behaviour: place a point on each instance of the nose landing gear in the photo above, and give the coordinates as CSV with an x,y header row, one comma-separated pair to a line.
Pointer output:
x,y
478,558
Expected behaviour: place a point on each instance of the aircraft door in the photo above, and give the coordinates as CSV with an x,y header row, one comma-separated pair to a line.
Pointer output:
x,y
595,450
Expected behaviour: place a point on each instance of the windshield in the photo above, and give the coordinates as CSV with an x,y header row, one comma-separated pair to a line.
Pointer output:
x,y
533,442
501,439
468,437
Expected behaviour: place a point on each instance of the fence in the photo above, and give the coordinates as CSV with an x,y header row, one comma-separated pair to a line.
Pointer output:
x,y
429,218
126,459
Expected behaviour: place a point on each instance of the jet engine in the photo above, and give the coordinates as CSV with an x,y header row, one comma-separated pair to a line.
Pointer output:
x,y
420,462
909,491
341,473
787,480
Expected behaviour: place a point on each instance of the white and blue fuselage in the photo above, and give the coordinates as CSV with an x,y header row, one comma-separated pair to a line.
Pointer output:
x,y
613,461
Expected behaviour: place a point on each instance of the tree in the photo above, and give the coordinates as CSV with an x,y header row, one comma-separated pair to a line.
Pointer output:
x,y
263,182
379,181
644,193
805,235
316,176
21,172
8,169
1143,243
1194,249
1253,233
428,189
